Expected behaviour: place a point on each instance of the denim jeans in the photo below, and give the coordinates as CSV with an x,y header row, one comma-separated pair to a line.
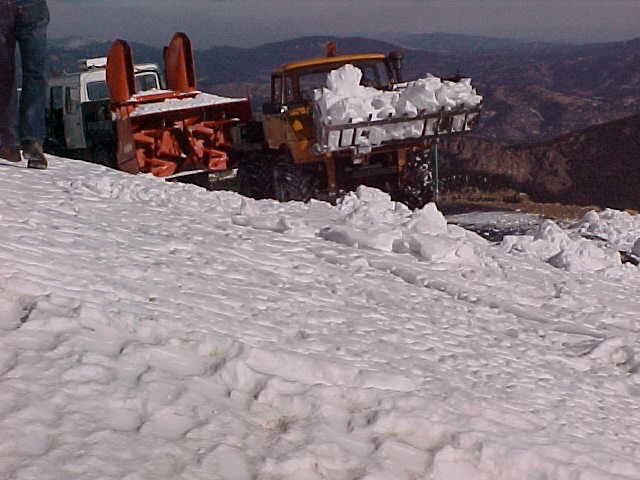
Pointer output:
x,y
23,22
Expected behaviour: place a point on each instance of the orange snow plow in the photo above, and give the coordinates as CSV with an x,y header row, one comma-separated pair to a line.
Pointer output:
x,y
177,132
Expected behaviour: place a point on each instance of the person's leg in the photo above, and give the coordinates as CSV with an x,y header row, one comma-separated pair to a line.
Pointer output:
x,y
7,73
31,34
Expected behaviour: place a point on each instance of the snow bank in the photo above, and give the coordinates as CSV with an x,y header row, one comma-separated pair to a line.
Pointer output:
x,y
157,330
620,229
562,249
370,220
345,101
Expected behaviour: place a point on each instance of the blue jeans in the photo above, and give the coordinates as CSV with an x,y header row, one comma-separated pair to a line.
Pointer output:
x,y
25,23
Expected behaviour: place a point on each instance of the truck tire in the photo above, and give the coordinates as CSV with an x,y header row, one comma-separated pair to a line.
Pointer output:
x,y
417,187
292,182
104,155
255,177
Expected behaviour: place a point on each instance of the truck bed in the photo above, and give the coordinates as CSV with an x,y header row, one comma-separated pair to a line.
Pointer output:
x,y
363,136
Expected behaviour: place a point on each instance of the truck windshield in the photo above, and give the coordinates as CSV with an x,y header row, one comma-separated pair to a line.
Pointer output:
x,y
374,74
146,81
98,90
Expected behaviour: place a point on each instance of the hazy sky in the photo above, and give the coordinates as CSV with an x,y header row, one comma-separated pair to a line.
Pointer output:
x,y
251,22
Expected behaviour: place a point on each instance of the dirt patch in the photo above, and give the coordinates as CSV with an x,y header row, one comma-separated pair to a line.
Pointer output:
x,y
508,201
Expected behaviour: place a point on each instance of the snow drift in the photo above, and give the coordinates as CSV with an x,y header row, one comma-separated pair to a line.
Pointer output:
x,y
157,330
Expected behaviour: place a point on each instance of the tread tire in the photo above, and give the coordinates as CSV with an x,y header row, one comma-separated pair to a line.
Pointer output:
x,y
255,177
292,182
104,155
417,189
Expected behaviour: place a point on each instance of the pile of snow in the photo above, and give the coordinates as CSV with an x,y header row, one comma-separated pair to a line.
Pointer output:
x,y
153,330
370,220
563,250
619,229
592,244
201,99
345,101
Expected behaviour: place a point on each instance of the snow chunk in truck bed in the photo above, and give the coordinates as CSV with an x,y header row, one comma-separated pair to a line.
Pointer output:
x,y
344,101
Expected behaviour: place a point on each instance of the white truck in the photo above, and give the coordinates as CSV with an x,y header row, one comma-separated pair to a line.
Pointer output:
x,y
79,121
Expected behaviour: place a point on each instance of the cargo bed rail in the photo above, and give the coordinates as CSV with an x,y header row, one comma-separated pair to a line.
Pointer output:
x,y
354,135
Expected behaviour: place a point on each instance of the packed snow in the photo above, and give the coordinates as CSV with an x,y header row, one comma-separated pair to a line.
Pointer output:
x,y
153,330
344,101
201,99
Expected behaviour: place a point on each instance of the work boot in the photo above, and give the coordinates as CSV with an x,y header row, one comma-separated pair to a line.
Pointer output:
x,y
10,153
32,151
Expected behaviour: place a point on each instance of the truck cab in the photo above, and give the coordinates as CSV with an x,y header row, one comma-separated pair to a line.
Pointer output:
x,y
293,133
288,118
78,119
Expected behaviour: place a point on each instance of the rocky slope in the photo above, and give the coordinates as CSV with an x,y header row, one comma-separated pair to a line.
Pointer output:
x,y
598,165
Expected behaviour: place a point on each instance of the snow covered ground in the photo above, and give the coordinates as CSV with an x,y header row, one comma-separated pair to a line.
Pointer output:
x,y
159,331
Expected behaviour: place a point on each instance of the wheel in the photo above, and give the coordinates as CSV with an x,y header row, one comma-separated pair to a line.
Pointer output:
x,y
417,187
255,177
104,155
292,182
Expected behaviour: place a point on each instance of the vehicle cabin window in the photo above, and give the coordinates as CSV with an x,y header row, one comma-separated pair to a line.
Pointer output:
x,y
276,90
69,104
374,74
290,94
57,98
146,81
97,90
309,82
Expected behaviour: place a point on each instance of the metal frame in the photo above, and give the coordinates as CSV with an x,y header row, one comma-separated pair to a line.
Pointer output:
x,y
433,125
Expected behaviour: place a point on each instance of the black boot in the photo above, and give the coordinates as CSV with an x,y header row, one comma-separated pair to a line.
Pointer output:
x,y
10,153
32,151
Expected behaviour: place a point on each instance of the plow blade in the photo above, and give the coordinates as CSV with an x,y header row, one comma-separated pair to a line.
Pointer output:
x,y
175,131
120,77
121,85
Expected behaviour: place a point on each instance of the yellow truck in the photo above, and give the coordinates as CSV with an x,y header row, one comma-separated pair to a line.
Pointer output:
x,y
307,153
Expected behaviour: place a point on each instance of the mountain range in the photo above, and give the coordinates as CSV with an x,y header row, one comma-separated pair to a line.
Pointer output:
x,y
533,91
599,165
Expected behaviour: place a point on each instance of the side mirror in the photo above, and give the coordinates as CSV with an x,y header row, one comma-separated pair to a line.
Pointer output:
x,y
395,60
274,109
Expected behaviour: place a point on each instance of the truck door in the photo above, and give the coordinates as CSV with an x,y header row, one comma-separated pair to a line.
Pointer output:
x,y
74,134
273,122
55,116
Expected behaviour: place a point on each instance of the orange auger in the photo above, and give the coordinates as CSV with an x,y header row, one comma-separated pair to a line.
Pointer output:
x,y
172,131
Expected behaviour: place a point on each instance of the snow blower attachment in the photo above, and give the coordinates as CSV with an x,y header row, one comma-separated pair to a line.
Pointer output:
x,y
171,133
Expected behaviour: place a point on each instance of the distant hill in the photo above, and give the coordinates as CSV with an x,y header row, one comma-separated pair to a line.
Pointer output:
x,y
65,53
459,44
548,92
595,166
224,64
